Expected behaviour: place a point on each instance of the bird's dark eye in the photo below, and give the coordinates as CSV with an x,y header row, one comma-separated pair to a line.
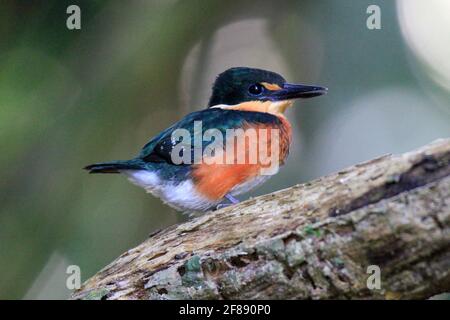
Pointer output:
x,y
255,89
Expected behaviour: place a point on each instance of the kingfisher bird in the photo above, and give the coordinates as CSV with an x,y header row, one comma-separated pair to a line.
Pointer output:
x,y
242,98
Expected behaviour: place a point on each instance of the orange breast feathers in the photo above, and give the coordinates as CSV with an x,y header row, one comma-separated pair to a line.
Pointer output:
x,y
256,149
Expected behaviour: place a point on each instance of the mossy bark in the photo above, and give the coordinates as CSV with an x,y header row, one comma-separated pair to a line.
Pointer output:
x,y
310,241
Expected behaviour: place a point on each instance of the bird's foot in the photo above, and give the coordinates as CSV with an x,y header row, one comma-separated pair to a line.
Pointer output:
x,y
230,198
222,205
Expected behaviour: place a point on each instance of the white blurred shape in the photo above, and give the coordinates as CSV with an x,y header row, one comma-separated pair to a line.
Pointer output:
x,y
391,120
242,43
426,28
50,284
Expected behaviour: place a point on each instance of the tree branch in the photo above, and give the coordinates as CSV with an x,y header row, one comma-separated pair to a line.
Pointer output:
x,y
313,240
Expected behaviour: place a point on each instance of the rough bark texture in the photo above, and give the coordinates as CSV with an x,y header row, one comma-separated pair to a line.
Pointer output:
x,y
310,241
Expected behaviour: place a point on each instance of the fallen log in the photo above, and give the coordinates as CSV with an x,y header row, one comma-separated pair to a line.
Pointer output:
x,y
319,240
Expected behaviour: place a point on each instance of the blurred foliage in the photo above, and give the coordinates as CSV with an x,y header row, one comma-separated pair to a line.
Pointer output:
x,y
69,98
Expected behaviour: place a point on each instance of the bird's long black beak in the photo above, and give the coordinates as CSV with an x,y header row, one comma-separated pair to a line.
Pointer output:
x,y
294,91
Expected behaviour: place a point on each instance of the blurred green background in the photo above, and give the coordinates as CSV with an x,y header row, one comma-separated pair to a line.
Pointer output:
x,y
72,97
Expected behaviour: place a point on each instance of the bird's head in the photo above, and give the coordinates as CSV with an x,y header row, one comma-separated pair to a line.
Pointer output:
x,y
239,85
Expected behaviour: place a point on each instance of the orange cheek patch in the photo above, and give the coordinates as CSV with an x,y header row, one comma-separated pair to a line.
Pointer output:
x,y
271,86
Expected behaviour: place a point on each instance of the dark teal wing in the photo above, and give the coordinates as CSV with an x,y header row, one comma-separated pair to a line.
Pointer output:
x,y
159,149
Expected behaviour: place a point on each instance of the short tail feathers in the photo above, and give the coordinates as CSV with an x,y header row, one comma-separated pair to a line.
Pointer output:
x,y
114,166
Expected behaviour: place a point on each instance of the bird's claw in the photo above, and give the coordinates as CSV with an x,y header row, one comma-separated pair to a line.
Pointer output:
x,y
223,205
230,198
